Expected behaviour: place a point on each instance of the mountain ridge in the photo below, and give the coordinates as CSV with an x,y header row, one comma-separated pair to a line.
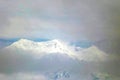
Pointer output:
x,y
58,46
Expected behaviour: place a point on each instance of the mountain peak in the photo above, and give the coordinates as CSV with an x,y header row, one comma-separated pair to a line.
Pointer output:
x,y
28,43
24,40
58,42
57,46
52,46
21,43
55,40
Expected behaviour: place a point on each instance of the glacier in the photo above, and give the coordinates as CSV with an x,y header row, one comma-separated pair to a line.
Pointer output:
x,y
57,46
55,59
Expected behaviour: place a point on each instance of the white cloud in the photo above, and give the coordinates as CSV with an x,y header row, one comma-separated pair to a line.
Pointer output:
x,y
40,49
27,27
22,76
32,28
77,19
105,76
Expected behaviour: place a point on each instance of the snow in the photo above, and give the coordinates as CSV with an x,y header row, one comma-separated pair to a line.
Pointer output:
x,y
92,54
58,47
53,46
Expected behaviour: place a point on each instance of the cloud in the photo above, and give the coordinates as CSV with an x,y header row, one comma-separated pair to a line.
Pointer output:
x,y
92,20
104,76
96,21
22,62
30,27
22,76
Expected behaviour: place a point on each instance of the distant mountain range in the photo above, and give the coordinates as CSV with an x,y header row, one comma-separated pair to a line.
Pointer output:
x,y
56,46
56,59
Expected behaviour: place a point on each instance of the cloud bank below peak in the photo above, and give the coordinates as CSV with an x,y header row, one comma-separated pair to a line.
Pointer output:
x,y
20,64
40,49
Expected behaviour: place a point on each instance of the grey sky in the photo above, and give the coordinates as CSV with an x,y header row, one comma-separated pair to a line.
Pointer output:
x,y
78,19
92,20
72,20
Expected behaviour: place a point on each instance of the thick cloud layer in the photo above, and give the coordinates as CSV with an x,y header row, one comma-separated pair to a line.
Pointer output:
x,y
70,20
22,76
91,20
20,65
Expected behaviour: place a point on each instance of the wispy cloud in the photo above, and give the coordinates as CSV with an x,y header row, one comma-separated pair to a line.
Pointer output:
x,y
92,20
22,76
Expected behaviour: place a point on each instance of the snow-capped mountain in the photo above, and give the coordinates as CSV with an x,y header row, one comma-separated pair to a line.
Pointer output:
x,y
92,54
57,47
48,47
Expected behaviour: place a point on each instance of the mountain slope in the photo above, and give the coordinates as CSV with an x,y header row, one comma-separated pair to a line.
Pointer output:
x,y
48,47
92,54
57,47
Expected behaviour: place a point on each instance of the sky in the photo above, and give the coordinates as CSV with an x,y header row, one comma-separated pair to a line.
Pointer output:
x,y
95,21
